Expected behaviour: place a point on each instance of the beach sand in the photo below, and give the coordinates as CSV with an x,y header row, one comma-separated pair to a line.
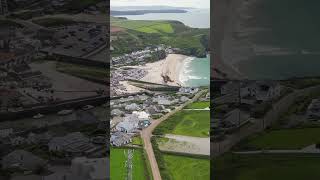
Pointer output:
x,y
169,68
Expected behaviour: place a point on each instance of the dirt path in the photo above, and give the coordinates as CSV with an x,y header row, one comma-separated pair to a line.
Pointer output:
x,y
147,133
186,144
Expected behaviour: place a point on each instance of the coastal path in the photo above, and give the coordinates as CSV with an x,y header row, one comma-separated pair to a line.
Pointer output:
x,y
147,133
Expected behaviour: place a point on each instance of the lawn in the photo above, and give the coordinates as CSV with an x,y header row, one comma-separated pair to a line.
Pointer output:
x,y
266,167
199,105
187,168
118,169
188,123
286,139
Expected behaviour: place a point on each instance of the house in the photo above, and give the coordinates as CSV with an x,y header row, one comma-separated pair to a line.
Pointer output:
x,y
132,107
120,139
22,160
235,118
142,115
74,143
313,110
5,132
117,112
261,90
39,138
129,124
15,141
188,90
83,168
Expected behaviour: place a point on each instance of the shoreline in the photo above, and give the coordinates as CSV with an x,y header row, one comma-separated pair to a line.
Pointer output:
x,y
166,71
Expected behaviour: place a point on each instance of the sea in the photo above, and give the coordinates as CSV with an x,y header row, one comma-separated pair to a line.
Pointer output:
x,y
195,72
196,18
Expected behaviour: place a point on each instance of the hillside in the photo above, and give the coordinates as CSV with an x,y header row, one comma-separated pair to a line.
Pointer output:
x,y
140,33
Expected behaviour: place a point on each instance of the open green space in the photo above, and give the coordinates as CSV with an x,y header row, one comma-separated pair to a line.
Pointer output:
x,y
266,167
284,139
141,33
144,26
188,123
54,22
119,170
187,168
137,140
199,105
83,71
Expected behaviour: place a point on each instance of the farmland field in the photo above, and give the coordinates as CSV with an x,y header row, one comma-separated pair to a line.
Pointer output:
x,y
144,26
187,168
266,167
118,170
188,123
285,139
199,105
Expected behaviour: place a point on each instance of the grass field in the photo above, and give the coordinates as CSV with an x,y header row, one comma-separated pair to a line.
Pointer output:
x,y
187,168
143,26
199,105
137,140
54,22
118,169
286,139
82,71
188,123
266,167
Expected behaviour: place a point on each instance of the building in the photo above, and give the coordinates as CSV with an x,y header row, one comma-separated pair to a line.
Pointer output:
x,y
120,139
3,7
74,143
313,110
22,160
5,132
129,125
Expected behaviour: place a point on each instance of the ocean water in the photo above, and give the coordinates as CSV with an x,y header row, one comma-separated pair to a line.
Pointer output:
x,y
196,18
195,72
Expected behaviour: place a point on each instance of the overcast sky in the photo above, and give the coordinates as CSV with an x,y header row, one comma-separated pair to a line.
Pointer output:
x,y
177,3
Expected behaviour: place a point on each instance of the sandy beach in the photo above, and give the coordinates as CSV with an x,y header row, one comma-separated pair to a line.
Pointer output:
x,y
168,69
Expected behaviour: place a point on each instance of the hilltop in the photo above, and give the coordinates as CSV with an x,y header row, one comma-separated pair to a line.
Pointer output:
x,y
139,34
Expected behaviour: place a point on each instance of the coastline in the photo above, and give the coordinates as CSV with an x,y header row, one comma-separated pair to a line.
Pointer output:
x,y
166,71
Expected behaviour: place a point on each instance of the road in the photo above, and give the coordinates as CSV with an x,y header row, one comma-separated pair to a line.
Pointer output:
x,y
147,133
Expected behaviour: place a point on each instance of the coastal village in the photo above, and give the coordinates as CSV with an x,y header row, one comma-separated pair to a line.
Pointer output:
x,y
53,119
149,101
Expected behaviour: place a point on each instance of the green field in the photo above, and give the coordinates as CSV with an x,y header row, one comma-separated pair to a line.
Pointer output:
x,y
285,139
188,123
82,71
118,169
143,26
141,33
54,22
199,105
187,168
266,167
137,140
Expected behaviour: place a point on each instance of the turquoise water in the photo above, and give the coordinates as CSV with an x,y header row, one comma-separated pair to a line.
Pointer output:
x,y
195,72
196,18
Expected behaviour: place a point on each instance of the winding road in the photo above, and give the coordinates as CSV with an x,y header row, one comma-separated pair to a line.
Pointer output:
x,y
146,135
